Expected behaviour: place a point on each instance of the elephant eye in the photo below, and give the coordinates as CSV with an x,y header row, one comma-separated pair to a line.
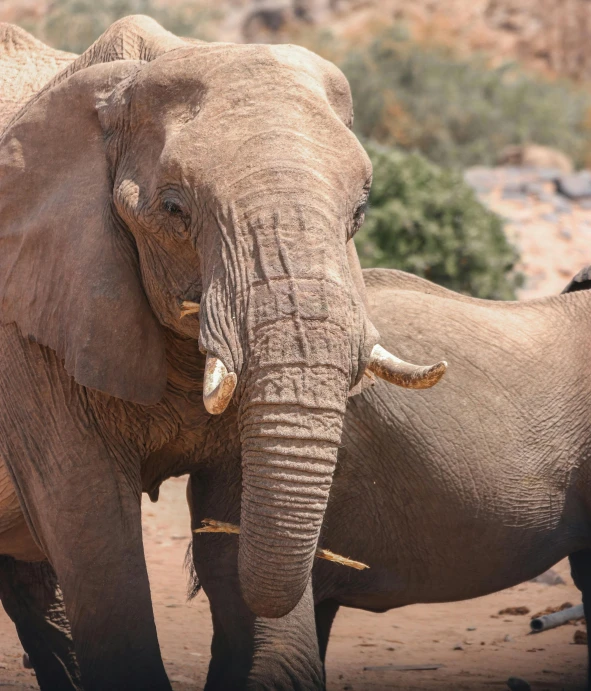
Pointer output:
x,y
172,208
359,215
361,208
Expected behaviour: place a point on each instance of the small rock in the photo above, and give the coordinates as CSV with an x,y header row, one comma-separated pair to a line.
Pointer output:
x,y
562,207
550,218
576,185
471,628
3,665
508,639
517,684
459,646
580,637
26,662
535,156
535,188
514,195
549,577
549,174
514,611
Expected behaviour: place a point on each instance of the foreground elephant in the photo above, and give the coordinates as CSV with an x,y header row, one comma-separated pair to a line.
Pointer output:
x,y
158,200
481,484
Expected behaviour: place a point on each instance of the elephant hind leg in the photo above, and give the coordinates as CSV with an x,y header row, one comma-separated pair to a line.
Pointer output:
x,y
580,565
32,598
325,613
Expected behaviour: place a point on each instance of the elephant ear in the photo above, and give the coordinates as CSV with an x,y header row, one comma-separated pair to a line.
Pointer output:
x,y
69,274
582,281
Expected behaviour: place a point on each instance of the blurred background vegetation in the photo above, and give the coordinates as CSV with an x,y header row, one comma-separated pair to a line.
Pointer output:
x,y
425,219
72,25
425,107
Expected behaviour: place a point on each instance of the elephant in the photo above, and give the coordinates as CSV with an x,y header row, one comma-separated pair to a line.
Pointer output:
x,y
177,276
478,485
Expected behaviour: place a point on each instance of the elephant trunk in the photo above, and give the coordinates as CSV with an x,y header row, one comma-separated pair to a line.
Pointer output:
x,y
290,434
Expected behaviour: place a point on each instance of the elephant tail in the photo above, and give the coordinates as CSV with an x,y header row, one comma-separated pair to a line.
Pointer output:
x,y
193,584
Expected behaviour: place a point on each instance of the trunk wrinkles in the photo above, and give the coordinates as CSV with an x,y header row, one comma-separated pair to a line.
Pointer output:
x,y
297,328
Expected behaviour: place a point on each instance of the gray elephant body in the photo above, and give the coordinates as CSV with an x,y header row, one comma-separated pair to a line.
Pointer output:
x,y
449,494
148,174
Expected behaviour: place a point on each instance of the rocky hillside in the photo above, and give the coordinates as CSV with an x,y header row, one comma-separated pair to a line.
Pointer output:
x,y
548,34
548,217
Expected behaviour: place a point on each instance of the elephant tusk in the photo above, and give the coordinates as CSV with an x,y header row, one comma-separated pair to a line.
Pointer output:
x,y
396,371
218,385
188,307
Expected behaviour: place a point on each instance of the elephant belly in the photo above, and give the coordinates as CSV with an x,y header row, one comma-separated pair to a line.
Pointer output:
x,y
15,537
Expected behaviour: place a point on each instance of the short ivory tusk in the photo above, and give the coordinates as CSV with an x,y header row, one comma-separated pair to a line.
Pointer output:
x,y
212,526
188,307
218,385
396,371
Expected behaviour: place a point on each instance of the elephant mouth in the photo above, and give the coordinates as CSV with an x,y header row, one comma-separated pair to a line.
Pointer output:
x,y
188,307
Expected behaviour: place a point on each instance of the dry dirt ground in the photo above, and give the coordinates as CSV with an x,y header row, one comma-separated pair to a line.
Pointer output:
x,y
493,647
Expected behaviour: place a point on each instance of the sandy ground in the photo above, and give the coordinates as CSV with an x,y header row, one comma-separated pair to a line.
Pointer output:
x,y
494,647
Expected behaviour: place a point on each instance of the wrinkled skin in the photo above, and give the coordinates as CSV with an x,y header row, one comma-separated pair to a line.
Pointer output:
x,y
148,172
473,487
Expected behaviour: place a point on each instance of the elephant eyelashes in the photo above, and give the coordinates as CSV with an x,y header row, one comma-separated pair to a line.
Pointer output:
x,y
179,219
359,216
172,208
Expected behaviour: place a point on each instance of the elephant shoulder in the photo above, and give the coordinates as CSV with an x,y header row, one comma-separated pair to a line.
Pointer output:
x,y
26,65
582,281
393,279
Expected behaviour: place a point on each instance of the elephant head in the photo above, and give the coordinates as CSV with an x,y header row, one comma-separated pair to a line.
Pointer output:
x,y
214,192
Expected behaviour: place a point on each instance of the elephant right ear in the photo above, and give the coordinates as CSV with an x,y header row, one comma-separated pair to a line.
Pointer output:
x,y
69,274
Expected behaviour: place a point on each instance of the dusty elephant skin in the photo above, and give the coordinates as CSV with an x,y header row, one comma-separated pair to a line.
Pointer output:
x,y
473,487
151,174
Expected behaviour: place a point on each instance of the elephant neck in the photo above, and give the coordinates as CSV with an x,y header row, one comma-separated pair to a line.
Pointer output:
x,y
172,437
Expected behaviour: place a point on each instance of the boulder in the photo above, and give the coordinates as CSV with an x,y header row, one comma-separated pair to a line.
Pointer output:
x,y
534,156
576,185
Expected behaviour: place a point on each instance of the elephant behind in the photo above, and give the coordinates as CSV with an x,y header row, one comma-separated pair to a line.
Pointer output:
x,y
478,485
176,223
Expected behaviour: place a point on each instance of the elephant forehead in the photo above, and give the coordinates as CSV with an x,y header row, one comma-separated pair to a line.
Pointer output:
x,y
237,68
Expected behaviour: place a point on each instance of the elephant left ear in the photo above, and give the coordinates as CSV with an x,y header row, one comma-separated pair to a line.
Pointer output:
x,y
69,275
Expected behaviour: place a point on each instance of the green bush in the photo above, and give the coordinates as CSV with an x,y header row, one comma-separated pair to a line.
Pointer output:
x,y
73,25
427,220
459,112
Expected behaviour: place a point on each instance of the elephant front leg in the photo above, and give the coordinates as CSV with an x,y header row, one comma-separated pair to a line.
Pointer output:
x,y
96,549
33,600
580,564
248,652
79,489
